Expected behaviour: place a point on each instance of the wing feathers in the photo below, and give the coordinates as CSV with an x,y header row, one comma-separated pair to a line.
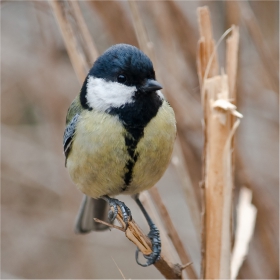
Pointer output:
x,y
68,136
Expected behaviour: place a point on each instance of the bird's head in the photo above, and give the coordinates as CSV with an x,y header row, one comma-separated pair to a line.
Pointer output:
x,y
119,76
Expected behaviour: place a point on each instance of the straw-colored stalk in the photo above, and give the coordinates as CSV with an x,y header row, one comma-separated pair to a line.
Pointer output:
x,y
219,129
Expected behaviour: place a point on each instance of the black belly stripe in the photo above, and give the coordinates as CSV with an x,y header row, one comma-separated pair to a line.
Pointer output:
x,y
135,116
131,141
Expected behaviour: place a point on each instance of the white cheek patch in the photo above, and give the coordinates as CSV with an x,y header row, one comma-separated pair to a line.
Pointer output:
x,y
102,94
160,95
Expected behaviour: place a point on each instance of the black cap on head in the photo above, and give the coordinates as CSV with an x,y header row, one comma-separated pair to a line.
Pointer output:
x,y
127,61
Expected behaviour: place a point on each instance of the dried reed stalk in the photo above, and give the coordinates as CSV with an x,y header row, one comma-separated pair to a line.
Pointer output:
x,y
79,55
219,130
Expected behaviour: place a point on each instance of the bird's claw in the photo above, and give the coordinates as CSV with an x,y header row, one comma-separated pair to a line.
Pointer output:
x,y
156,248
126,213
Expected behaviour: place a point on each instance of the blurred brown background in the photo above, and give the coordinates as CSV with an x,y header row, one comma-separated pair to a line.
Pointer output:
x,y
39,202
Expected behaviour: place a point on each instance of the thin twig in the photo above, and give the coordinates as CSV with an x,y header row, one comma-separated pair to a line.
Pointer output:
x,y
119,269
186,265
108,225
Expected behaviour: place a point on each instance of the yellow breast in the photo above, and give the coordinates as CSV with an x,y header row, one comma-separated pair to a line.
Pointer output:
x,y
97,161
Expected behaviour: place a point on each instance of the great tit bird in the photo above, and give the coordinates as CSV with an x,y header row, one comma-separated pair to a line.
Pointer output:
x,y
119,137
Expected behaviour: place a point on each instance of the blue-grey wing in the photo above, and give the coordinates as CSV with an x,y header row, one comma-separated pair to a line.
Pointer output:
x,y
68,135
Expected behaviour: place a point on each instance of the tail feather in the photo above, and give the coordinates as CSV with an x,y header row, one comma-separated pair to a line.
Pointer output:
x,y
91,208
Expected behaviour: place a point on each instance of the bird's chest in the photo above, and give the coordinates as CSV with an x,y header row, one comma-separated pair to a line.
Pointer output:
x,y
106,158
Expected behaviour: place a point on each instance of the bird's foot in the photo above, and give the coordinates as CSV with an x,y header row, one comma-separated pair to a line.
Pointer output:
x,y
156,247
113,202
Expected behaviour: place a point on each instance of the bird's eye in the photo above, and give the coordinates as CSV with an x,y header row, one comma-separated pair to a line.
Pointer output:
x,y
121,79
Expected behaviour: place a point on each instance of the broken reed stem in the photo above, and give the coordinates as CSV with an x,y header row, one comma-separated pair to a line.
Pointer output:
x,y
79,55
220,125
172,233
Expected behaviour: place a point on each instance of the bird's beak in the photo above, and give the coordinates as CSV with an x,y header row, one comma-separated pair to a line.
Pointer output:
x,y
150,85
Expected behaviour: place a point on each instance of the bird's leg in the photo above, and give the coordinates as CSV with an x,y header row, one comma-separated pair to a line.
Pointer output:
x,y
153,235
113,202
